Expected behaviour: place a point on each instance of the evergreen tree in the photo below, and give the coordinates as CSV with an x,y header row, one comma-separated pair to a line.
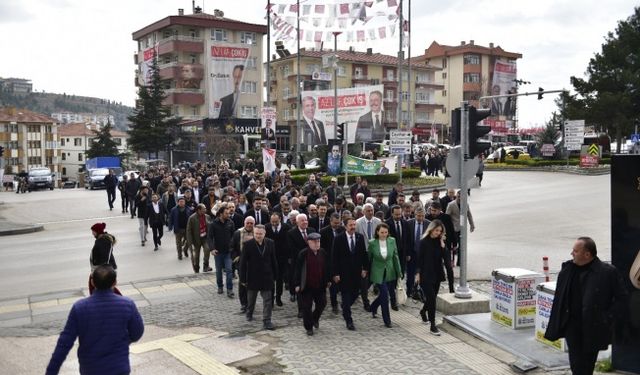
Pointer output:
x,y
151,121
103,144
550,134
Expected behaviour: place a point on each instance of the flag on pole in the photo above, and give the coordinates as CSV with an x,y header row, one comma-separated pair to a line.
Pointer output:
x,y
269,159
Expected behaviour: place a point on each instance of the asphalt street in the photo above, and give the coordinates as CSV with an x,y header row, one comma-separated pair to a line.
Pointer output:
x,y
520,217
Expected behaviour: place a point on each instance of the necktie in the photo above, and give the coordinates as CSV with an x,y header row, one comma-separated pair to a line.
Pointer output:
x,y
398,232
258,217
321,223
353,245
368,229
377,121
418,233
316,130
304,234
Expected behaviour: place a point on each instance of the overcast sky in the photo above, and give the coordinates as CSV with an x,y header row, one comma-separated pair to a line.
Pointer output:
x,y
84,47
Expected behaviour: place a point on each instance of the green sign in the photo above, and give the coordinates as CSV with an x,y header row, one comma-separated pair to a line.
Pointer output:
x,y
354,165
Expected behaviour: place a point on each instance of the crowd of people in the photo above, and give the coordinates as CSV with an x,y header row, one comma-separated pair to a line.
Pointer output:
x,y
283,240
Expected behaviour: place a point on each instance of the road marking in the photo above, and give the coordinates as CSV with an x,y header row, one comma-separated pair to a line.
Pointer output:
x,y
80,220
180,348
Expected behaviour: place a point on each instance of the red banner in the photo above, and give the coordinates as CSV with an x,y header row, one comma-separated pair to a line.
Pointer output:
x,y
357,100
588,161
230,52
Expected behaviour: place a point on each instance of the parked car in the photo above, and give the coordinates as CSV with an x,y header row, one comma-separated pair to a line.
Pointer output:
x,y
94,178
40,178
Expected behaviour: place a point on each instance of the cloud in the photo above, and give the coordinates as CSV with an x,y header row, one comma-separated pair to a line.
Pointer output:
x,y
14,12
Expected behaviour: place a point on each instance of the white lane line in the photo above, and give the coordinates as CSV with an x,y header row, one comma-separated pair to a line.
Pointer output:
x,y
79,220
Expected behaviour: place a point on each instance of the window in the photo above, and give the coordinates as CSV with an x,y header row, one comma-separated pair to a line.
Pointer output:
x,y
310,68
248,38
193,33
64,171
422,117
219,35
14,161
77,141
286,92
252,63
444,62
342,72
64,156
34,144
405,76
471,95
444,75
61,141
422,97
248,111
444,92
444,110
390,116
49,160
90,140
471,77
390,75
404,95
287,114
80,156
405,116
390,95
471,59
248,87
117,141
33,128
33,160
193,58
358,72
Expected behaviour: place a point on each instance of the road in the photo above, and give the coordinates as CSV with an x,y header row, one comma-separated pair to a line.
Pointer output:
x,y
520,217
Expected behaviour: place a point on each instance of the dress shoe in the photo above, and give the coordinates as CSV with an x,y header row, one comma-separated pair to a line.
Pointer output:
x,y
159,242
268,326
249,318
278,301
394,307
207,269
179,256
299,314
434,330
367,308
230,294
155,248
423,315
374,314
243,309
186,254
335,309
351,327
220,291
292,298
388,325
316,324
309,332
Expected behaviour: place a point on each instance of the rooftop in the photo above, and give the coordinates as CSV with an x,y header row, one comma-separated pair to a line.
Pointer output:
x,y
12,114
82,129
367,57
437,50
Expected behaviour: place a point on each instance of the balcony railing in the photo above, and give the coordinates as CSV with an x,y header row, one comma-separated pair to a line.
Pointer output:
x,y
360,77
168,65
425,101
183,90
185,38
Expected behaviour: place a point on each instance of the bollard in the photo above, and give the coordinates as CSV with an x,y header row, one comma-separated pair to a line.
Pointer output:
x,y
545,268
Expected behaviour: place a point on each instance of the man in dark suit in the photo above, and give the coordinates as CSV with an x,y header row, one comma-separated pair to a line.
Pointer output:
x,y
277,232
235,215
267,133
399,230
258,267
383,168
327,235
417,226
320,221
371,125
228,103
260,214
349,267
296,242
313,129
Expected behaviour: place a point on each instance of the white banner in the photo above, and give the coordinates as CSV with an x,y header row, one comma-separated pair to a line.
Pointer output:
x,y
145,66
504,76
268,124
226,65
360,107
269,159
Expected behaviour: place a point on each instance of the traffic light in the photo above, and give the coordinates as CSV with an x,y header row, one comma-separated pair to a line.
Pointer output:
x,y
1,151
540,92
456,120
478,146
340,132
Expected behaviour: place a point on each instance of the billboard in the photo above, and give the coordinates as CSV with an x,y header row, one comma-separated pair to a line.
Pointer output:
x,y
504,76
145,66
360,107
268,124
191,75
369,167
226,66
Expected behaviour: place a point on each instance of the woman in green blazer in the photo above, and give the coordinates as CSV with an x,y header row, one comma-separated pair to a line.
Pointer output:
x,y
384,267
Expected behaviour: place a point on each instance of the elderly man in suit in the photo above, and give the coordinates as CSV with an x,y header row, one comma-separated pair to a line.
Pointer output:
x,y
277,232
366,226
258,267
327,236
349,266
296,241
371,125
313,132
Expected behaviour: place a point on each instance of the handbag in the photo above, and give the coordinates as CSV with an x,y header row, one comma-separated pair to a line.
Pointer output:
x,y
401,294
634,272
418,294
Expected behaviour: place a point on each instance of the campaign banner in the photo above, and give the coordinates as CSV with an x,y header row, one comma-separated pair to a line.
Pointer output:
x,y
504,76
226,67
360,107
369,167
145,66
269,159
268,124
334,159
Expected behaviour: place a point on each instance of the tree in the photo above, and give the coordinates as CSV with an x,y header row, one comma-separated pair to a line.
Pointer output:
x,y
219,145
103,144
610,95
151,121
550,133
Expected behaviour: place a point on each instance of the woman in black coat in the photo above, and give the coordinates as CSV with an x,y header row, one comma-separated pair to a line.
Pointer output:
x,y
156,218
102,251
430,269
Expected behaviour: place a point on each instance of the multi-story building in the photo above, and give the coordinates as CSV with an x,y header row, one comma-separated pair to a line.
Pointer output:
x,y
18,86
467,72
75,140
71,117
188,48
420,90
29,140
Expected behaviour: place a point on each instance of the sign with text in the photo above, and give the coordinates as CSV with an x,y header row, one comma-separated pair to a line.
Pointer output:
x,y
354,165
226,71
513,302
573,134
548,149
399,142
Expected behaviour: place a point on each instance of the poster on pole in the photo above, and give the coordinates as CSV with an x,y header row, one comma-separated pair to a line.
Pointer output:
x,y
269,159
354,165
226,68
360,107
504,76
268,124
334,158
145,66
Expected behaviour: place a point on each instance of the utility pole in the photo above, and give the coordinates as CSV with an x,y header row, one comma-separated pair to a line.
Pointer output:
x,y
299,136
269,53
400,61
462,291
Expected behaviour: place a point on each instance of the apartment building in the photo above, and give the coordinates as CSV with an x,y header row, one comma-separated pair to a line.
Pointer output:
x,y
190,50
356,68
71,117
75,140
17,86
29,140
467,72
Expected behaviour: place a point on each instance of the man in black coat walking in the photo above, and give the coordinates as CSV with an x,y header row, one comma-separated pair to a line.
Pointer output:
x,y
398,229
327,236
296,241
277,232
590,296
349,267
110,182
258,268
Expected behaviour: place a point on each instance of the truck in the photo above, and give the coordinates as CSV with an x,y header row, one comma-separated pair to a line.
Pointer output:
x,y
102,162
97,168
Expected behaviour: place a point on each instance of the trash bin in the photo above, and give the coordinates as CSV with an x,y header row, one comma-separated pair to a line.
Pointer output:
x,y
513,297
544,301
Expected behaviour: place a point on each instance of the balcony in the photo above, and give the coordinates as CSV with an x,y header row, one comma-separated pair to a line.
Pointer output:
x,y
180,43
188,75
429,104
184,96
359,78
428,84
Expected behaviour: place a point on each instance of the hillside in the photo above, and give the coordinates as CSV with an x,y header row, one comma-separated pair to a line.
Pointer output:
x,y
47,103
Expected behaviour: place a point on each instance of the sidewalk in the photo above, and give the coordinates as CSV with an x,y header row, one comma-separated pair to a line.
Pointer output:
x,y
190,329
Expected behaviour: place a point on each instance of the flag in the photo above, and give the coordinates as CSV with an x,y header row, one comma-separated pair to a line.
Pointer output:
x,y
344,9
319,9
269,159
293,8
392,3
383,32
306,9
372,34
360,35
318,36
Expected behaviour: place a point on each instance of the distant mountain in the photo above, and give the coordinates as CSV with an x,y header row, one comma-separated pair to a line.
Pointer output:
x,y
47,104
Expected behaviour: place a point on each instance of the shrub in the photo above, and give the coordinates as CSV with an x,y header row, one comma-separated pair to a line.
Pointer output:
x,y
300,178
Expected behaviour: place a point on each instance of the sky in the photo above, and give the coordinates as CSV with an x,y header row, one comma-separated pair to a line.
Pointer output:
x,y
84,47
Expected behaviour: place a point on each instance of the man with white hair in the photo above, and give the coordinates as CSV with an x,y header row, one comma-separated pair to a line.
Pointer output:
x,y
296,241
366,226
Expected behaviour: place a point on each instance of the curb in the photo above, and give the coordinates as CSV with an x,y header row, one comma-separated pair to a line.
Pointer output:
x,y
588,172
23,229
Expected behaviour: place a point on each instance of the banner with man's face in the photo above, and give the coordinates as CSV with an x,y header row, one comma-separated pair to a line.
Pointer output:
x,y
504,76
268,124
226,66
354,165
360,107
148,54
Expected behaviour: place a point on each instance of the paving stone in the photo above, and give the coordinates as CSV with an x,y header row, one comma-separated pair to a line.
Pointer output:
x,y
14,302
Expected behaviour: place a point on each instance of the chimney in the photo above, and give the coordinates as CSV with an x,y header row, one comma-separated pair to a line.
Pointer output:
x,y
180,12
351,49
369,51
491,45
471,42
462,43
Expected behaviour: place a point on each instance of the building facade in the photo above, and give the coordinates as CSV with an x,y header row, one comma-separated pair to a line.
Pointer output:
x,y
29,139
71,117
355,69
17,86
467,71
75,140
187,48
